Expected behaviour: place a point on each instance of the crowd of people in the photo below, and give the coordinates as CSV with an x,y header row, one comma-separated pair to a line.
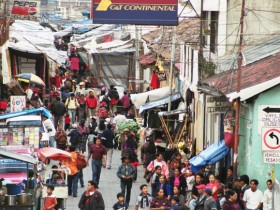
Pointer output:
x,y
86,121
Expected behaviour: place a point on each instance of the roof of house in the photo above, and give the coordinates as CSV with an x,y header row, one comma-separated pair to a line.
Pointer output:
x,y
253,74
159,41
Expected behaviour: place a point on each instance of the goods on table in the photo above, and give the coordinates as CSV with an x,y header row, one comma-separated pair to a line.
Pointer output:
x,y
133,128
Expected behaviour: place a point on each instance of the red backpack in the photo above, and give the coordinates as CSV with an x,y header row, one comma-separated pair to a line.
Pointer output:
x,y
81,161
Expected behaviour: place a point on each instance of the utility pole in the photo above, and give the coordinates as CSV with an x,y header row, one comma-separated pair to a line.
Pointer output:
x,y
171,66
137,64
237,101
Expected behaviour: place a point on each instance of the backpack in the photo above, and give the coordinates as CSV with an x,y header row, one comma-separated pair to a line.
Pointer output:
x,y
113,94
81,161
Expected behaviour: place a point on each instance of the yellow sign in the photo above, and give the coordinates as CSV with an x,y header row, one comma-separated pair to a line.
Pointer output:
x,y
104,5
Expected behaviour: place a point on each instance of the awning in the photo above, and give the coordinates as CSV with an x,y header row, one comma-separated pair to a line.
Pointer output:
x,y
163,101
141,98
209,156
17,156
249,92
174,112
31,120
41,110
147,59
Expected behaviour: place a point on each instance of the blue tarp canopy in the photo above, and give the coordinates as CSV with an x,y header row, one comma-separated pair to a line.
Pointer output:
x,y
209,156
40,110
160,102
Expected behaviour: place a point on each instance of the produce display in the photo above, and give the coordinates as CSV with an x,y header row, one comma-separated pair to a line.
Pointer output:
x,y
133,128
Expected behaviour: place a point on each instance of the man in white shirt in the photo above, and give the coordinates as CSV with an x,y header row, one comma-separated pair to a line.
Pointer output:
x,y
253,198
50,129
267,196
119,119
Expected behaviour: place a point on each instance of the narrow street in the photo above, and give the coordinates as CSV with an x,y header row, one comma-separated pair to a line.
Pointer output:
x,y
109,185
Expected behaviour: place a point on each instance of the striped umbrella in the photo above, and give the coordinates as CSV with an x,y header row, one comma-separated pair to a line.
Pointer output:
x,y
30,78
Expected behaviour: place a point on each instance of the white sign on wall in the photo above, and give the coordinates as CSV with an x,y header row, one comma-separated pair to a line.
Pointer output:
x,y
271,157
18,103
268,116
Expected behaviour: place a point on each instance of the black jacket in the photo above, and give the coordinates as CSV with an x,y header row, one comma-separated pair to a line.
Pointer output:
x,y
183,184
91,202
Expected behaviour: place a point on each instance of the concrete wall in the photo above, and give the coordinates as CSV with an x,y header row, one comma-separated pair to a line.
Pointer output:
x,y
250,146
262,20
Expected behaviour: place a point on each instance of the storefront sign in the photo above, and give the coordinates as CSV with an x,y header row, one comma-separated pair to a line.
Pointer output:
x,y
142,12
18,103
271,157
24,9
217,105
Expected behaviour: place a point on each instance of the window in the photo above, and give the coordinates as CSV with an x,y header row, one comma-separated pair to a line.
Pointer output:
x,y
214,31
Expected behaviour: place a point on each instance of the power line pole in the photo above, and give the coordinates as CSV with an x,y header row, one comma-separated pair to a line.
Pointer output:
x,y
137,55
237,101
171,66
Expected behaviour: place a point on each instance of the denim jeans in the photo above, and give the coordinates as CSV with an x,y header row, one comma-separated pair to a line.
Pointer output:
x,y
81,178
126,186
72,114
52,142
192,204
96,166
73,184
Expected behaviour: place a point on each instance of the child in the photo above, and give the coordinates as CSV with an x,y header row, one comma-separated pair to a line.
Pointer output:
x,y
144,199
155,180
67,121
175,203
50,200
120,205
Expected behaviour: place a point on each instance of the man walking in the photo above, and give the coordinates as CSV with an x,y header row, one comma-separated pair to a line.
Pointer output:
x,y
109,144
72,105
58,110
253,197
91,103
50,129
92,199
127,174
97,152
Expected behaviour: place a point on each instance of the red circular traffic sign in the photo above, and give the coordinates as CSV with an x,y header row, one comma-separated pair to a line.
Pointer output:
x,y
265,138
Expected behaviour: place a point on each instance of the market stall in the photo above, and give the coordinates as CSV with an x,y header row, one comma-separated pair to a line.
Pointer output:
x,y
11,195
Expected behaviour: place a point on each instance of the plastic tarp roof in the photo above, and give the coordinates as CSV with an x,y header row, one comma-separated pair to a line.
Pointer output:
x,y
17,156
31,37
41,110
163,101
141,98
209,156
34,120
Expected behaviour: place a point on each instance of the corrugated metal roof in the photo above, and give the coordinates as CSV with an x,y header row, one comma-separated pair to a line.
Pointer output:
x,y
251,54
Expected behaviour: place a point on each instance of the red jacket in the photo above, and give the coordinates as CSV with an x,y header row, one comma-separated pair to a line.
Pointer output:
x,y
155,81
91,102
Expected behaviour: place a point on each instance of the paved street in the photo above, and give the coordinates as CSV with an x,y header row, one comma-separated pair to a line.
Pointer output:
x,y
109,185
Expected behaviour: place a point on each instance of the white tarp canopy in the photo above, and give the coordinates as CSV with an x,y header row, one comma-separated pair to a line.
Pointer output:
x,y
141,98
33,38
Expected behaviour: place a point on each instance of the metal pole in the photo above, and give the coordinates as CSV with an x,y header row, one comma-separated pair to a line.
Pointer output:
x,y
273,188
237,102
137,64
171,66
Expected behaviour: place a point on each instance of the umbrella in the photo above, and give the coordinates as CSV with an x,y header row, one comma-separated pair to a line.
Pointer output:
x,y
209,156
30,78
53,154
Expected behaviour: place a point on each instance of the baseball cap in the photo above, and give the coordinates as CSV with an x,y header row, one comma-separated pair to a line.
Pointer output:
x,y
208,191
201,187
